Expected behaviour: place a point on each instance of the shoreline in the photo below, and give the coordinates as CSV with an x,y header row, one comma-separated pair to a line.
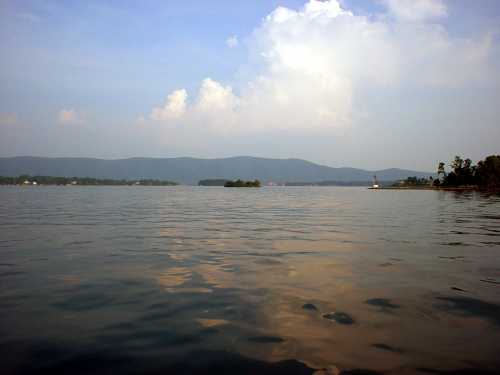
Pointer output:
x,y
458,188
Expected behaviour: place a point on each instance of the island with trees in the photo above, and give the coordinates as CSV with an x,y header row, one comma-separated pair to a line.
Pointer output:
x,y
241,183
213,182
81,181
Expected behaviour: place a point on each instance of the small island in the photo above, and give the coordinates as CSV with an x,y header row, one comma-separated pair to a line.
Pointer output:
x,y
213,182
241,183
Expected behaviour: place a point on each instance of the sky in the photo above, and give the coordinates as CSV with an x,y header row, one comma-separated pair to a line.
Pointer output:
x,y
359,83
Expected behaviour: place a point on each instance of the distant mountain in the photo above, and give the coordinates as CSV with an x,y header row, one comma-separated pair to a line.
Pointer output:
x,y
191,170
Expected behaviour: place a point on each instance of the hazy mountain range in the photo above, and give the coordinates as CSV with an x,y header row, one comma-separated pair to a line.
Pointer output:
x,y
190,170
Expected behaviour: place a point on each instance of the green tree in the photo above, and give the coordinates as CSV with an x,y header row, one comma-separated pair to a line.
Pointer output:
x,y
487,172
441,171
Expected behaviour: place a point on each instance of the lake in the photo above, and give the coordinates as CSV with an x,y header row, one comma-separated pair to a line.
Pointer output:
x,y
274,280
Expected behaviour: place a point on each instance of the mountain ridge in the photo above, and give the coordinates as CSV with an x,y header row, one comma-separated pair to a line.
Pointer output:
x,y
189,170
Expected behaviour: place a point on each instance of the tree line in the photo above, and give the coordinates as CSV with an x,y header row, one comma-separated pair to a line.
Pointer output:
x,y
86,181
485,174
414,181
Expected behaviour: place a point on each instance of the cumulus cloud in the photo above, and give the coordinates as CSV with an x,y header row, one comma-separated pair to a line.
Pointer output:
x,y
214,97
69,116
174,107
308,67
232,41
213,104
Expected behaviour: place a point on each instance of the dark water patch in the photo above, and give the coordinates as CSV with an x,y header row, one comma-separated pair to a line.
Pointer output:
x,y
88,287
489,217
360,372
472,307
162,315
388,348
383,303
396,259
266,339
160,305
209,331
85,302
14,297
56,359
491,281
387,264
490,243
148,339
31,356
11,273
465,371
219,362
122,326
339,317
12,300
490,234
117,255
457,289
131,282
457,243
194,363
488,229
451,257
309,306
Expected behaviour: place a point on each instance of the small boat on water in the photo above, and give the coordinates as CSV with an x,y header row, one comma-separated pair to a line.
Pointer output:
x,y
375,184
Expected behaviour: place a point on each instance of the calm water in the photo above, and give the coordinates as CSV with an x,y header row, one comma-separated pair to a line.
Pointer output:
x,y
271,280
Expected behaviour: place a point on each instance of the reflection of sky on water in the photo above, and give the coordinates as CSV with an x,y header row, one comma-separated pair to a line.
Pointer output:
x,y
169,271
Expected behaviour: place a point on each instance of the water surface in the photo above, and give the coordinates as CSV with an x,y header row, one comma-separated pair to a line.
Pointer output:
x,y
271,280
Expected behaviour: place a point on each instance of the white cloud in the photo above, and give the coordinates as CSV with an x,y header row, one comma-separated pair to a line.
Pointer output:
x,y
308,67
215,97
232,41
416,10
174,107
330,9
69,116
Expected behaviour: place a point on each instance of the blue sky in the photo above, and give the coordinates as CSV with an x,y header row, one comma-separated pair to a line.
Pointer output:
x,y
369,84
